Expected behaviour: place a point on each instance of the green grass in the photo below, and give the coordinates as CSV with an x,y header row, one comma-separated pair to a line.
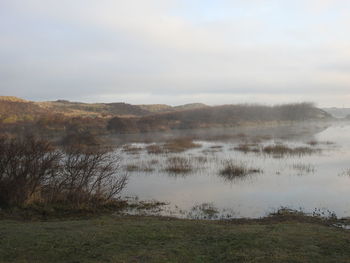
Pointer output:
x,y
151,239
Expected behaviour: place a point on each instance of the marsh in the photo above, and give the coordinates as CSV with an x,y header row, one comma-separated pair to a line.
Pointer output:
x,y
304,180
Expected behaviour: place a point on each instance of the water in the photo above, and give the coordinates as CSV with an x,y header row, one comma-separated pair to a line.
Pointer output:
x,y
311,183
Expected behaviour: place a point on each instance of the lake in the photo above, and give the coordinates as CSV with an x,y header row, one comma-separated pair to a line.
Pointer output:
x,y
316,181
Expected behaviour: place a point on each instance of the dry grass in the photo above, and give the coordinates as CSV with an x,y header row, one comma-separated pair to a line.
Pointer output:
x,y
346,172
312,143
180,145
139,168
304,168
155,149
178,165
201,159
280,150
247,147
130,149
233,170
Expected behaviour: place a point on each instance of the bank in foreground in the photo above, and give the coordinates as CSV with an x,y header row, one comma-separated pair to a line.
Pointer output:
x,y
153,239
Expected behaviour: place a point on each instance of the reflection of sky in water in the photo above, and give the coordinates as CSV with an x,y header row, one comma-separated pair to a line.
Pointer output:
x,y
279,185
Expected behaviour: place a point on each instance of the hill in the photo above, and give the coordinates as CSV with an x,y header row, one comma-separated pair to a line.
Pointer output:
x,y
218,116
11,99
15,109
62,115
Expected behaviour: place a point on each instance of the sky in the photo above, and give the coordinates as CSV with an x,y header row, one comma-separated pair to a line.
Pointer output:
x,y
176,51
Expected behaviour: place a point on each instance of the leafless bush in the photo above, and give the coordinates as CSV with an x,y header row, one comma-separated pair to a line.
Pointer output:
x,y
24,165
32,170
86,177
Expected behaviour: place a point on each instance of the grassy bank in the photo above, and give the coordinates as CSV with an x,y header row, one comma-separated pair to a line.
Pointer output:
x,y
151,239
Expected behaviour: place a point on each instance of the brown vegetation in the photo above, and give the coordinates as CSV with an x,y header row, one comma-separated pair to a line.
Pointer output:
x,y
33,171
178,165
280,150
180,145
232,170
218,116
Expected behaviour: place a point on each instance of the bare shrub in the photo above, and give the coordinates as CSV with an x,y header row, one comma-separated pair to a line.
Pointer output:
x,y
178,165
86,177
24,165
32,170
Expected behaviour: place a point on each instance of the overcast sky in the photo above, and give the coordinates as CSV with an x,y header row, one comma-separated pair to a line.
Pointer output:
x,y
176,51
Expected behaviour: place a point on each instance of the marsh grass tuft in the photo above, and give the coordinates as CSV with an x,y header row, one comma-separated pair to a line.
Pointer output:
x,y
130,149
346,172
139,167
178,165
203,211
180,145
280,150
303,168
248,147
155,149
232,170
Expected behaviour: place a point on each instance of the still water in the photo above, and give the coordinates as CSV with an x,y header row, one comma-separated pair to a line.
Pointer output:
x,y
314,182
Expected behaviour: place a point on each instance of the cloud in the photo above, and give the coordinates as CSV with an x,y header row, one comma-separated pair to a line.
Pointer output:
x,y
174,50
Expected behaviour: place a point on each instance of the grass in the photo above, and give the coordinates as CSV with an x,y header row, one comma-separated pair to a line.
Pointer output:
x,y
346,172
232,170
178,165
172,146
154,149
130,149
248,147
153,239
281,150
303,168
140,167
180,145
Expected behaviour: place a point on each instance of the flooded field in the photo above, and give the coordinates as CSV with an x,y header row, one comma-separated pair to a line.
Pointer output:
x,y
233,173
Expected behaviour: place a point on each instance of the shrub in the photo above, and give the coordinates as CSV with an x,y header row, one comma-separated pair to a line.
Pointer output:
x,y
33,171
